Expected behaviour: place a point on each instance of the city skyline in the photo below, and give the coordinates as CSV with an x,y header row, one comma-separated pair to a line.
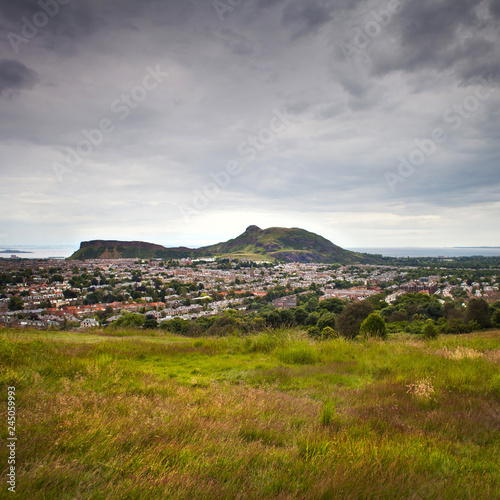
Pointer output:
x,y
371,123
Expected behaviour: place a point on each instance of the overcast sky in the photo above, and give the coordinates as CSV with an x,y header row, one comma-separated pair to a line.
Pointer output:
x,y
372,123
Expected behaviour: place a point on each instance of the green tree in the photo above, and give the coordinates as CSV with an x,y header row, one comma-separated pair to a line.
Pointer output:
x,y
374,326
16,303
150,324
312,319
378,301
312,304
396,316
327,319
287,317
274,319
495,318
300,316
477,310
332,305
349,322
452,310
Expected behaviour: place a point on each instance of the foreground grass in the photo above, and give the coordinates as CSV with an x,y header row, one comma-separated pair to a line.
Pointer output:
x,y
270,416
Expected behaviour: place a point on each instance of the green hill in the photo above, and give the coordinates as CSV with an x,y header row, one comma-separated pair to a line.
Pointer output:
x,y
273,244
109,249
289,245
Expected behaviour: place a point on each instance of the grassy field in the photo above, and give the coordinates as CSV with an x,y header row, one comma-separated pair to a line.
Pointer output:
x,y
270,416
256,257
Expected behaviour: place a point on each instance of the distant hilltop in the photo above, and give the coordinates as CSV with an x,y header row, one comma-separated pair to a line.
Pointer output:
x,y
111,249
14,251
272,244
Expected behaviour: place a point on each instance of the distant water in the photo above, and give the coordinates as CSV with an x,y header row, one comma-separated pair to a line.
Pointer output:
x,y
44,252
432,252
37,252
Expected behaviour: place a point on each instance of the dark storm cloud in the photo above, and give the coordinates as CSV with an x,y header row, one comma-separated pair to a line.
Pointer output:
x,y
66,25
445,35
15,76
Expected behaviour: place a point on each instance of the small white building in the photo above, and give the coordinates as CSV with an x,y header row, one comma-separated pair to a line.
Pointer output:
x,y
89,323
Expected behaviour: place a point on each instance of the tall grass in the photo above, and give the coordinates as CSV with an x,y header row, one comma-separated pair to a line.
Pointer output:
x,y
275,415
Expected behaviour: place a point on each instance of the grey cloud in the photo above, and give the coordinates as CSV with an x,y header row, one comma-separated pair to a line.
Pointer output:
x,y
70,20
14,75
440,35
306,17
349,121
431,25
495,7
78,20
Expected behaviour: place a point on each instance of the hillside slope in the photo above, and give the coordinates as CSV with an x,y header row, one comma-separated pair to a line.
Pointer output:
x,y
287,244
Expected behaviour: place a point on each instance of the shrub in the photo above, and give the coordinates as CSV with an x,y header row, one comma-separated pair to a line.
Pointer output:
x,y
328,333
129,320
374,326
314,332
430,331
397,326
176,325
150,324
456,326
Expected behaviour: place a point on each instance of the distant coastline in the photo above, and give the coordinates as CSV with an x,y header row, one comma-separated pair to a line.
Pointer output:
x,y
38,251
448,252
14,251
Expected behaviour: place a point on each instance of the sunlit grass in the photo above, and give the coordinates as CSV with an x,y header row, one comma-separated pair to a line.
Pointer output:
x,y
269,416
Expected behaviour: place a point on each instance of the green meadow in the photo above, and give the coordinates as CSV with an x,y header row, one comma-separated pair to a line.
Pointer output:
x,y
275,415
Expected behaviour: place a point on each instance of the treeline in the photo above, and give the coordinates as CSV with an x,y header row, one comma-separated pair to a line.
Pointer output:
x,y
415,313
473,262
